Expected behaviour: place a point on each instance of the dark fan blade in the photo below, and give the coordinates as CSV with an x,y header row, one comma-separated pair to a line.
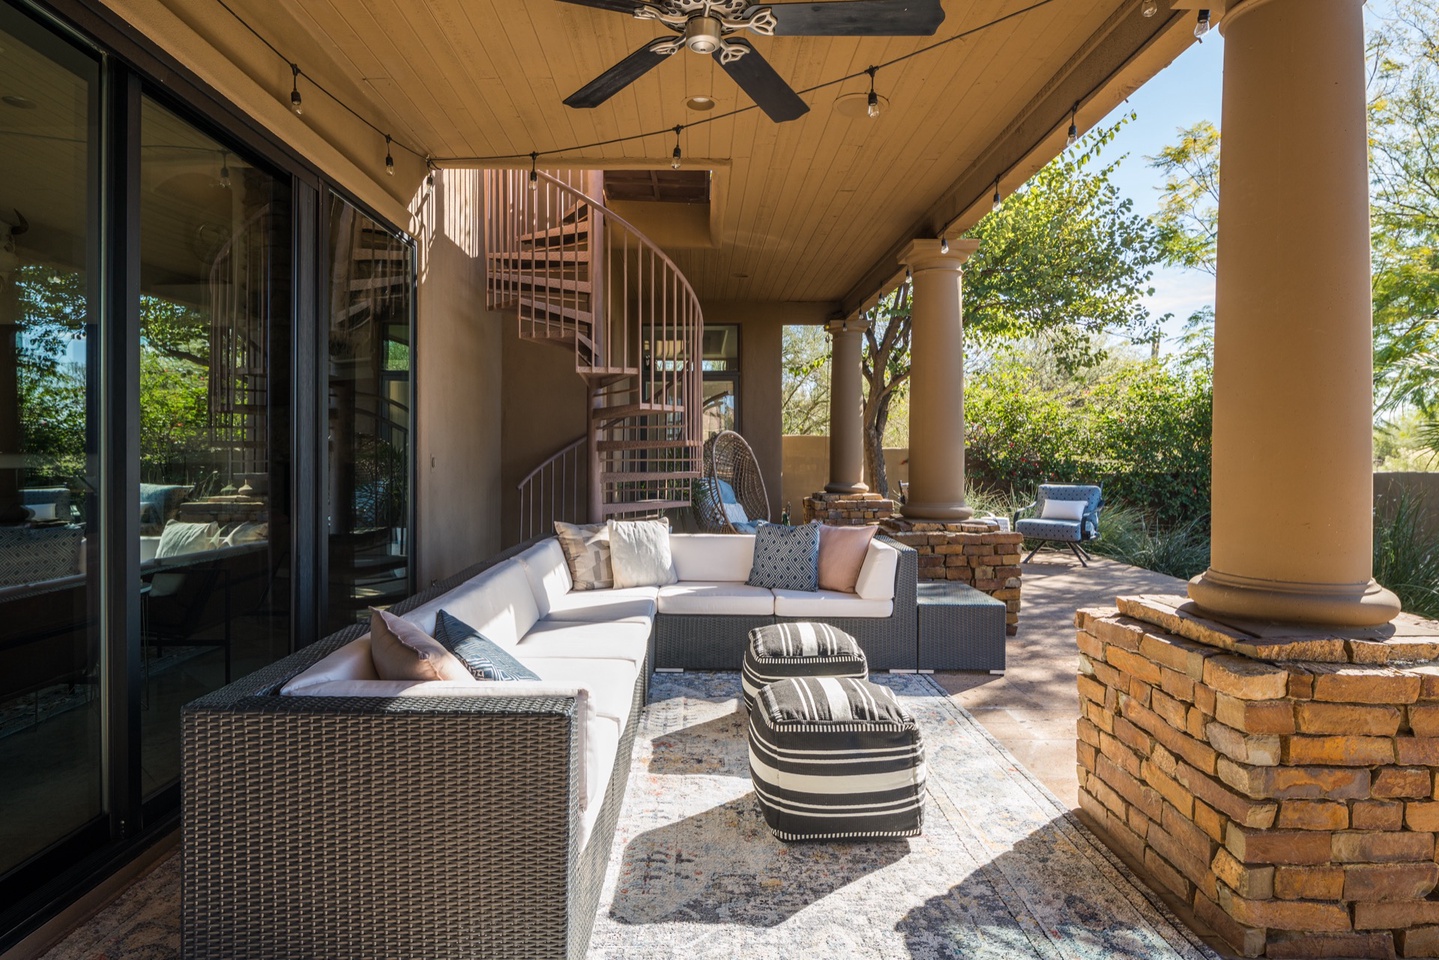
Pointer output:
x,y
858,18
765,87
616,78
618,6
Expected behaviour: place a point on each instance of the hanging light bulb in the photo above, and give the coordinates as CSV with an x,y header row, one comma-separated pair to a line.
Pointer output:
x,y
677,157
1073,127
295,104
998,201
944,244
534,170
1150,8
873,104
225,170
1201,26
389,157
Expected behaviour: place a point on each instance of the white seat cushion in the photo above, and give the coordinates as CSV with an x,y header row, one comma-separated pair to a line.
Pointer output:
x,y
604,604
712,556
612,640
877,573
724,598
498,603
611,683
548,573
828,603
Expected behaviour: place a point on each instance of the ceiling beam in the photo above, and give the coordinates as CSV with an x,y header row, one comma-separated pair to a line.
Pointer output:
x,y
1117,59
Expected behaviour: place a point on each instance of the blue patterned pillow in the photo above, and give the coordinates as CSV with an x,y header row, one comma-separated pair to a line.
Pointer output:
x,y
785,558
486,659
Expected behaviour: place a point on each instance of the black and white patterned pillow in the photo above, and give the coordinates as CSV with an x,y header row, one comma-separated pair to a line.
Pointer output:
x,y
486,659
785,558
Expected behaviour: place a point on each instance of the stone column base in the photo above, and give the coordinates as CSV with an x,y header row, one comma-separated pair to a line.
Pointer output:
x,y
971,552
1280,781
847,509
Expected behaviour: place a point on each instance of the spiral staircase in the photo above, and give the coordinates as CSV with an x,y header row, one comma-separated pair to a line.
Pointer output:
x,y
582,279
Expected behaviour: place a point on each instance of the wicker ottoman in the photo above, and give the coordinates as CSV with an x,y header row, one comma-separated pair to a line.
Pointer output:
x,y
799,649
835,759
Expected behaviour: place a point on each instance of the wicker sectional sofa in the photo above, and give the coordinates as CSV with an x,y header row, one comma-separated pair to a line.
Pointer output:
x,y
328,813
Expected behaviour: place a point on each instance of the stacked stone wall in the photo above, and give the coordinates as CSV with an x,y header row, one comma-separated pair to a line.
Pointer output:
x,y
1292,804
971,552
847,509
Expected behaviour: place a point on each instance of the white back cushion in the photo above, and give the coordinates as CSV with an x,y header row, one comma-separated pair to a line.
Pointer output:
x,y
350,662
877,573
548,573
712,556
498,603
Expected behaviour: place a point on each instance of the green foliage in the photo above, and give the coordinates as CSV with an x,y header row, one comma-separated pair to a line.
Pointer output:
x,y
804,388
1142,431
1406,558
1188,216
1130,536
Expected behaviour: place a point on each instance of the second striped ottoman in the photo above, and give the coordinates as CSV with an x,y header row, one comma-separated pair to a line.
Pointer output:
x,y
835,759
799,649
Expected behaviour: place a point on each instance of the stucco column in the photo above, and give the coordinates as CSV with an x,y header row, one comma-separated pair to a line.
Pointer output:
x,y
846,408
936,380
1293,479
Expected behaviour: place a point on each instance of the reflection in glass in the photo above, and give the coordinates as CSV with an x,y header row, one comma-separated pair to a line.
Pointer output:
x,y
214,461
368,501
721,378
50,697
721,404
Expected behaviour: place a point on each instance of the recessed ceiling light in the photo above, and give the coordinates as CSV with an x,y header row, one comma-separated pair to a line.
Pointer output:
x,y
857,104
24,103
700,103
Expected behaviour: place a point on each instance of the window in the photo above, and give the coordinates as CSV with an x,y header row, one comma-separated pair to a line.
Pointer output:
x,y
721,378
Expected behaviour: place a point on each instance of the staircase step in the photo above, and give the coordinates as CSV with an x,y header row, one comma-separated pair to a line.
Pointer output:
x,y
606,376
563,258
564,233
635,409
618,475
642,506
538,281
612,445
542,308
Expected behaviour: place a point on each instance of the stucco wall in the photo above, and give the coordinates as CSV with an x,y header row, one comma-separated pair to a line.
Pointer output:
x,y
1388,486
806,469
762,326
459,386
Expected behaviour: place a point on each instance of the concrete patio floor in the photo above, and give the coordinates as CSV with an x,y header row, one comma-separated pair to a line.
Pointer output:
x,y
1033,707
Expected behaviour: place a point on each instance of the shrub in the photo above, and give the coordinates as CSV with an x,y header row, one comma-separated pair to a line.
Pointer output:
x,y
1406,559
1126,534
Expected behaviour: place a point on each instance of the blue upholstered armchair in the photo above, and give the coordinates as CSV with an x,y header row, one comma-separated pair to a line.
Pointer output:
x,y
1063,513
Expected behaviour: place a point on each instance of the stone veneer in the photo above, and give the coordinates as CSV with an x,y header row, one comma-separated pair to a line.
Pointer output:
x,y
1280,781
970,552
847,509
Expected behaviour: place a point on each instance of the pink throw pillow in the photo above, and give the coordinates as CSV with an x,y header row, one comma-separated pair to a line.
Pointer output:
x,y
402,651
841,554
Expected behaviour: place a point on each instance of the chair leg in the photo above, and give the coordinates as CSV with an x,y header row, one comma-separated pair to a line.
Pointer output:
x,y
1087,554
1034,551
1077,552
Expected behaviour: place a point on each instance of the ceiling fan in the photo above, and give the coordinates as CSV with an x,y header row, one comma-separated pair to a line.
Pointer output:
x,y
706,27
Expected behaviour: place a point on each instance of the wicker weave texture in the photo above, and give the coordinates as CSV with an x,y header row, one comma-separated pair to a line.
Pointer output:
x,y
960,628
728,457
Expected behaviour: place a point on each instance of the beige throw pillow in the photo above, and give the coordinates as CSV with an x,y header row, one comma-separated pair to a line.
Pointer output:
x,y
841,555
402,651
587,554
640,550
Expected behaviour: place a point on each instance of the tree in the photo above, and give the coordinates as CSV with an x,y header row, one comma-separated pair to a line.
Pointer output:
x,y
1064,259
804,389
1188,217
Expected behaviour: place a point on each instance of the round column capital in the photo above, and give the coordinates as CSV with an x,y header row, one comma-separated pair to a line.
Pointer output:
x,y
925,254
854,326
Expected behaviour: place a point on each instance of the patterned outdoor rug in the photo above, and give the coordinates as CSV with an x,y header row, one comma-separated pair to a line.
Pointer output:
x,y
1001,871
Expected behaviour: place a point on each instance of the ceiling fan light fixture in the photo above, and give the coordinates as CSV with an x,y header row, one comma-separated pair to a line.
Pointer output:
x,y
702,34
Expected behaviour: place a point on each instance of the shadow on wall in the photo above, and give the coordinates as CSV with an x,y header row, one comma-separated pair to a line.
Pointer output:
x,y
806,469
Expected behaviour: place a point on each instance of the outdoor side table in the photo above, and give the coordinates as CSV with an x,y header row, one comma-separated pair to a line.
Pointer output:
x,y
960,628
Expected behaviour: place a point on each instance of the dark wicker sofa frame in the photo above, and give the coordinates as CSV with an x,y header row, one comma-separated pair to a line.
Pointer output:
x,y
414,829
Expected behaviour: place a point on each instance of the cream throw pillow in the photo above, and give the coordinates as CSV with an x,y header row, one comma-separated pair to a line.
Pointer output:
x,y
181,538
402,651
640,551
587,554
1063,510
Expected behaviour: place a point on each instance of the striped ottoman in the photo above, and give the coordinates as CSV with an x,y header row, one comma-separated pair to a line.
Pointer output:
x,y
799,649
835,758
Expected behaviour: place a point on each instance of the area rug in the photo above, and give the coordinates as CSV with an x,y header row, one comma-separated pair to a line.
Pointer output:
x,y
1001,871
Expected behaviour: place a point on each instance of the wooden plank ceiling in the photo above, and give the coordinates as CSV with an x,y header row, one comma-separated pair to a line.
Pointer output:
x,y
809,205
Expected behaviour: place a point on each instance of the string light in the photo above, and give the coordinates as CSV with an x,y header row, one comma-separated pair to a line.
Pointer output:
x,y
1201,26
1073,126
295,104
430,177
1150,8
534,170
873,108
389,157
677,156
224,170
998,201
944,244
